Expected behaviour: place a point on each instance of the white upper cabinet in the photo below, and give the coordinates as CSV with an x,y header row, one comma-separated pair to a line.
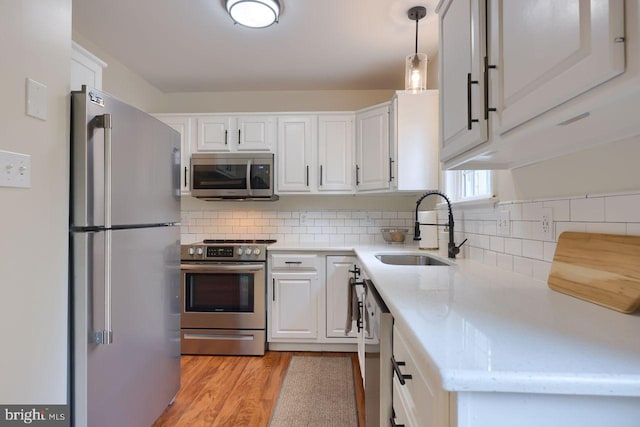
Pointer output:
x,y
550,52
224,133
553,78
182,124
255,133
336,137
214,133
86,68
462,49
414,138
296,139
372,149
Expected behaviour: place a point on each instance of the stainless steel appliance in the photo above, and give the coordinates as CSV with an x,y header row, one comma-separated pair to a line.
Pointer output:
x,y
223,296
125,276
377,360
240,176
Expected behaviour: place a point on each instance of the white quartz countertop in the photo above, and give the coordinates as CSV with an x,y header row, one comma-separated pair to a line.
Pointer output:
x,y
487,329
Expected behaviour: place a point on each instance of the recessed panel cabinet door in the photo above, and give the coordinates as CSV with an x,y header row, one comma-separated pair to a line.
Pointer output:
x,y
294,305
337,295
182,125
214,133
335,152
463,124
372,149
552,51
295,153
255,133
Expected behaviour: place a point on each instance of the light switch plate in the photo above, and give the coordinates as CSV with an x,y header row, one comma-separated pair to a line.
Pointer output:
x,y
36,99
15,170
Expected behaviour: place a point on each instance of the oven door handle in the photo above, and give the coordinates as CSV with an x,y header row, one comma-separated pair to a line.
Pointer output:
x,y
207,268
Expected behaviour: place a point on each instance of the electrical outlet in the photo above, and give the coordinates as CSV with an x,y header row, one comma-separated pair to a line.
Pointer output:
x,y
546,224
368,218
304,219
504,223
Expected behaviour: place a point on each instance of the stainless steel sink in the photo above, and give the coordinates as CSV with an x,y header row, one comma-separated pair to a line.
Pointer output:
x,y
409,259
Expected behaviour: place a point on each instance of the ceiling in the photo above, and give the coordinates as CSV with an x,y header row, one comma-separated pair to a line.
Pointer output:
x,y
193,45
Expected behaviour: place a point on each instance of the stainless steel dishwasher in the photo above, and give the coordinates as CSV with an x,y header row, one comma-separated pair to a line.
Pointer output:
x,y
378,370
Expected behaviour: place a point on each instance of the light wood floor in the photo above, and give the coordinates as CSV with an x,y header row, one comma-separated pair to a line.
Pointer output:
x,y
237,390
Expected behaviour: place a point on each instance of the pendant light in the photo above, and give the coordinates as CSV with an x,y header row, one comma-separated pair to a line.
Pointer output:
x,y
416,64
254,13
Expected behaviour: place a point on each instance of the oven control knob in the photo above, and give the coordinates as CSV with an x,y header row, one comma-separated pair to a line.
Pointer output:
x,y
192,251
240,251
199,251
248,251
256,251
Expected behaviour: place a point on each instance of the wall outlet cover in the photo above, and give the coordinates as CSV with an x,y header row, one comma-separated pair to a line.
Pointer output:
x,y
546,224
504,223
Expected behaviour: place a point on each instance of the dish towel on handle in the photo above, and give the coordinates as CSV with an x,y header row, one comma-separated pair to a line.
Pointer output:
x,y
352,306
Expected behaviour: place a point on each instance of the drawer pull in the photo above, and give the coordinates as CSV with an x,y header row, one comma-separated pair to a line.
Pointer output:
x,y
293,262
396,368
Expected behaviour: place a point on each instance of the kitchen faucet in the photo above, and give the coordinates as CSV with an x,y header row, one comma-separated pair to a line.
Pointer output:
x,y
453,250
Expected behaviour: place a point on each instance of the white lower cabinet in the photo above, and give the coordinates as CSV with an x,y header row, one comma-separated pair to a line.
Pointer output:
x,y
337,287
421,400
294,297
308,296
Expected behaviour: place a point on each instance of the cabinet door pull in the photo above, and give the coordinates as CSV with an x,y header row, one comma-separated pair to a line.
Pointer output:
x,y
320,175
396,368
273,289
239,131
307,175
470,120
391,169
226,136
357,175
186,184
487,67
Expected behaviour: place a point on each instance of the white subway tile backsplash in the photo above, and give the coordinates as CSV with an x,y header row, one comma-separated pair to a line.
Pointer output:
x,y
587,209
525,251
490,258
532,249
513,246
608,228
497,244
622,208
549,249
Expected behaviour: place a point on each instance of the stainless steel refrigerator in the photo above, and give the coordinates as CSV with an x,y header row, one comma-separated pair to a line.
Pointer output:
x,y
125,252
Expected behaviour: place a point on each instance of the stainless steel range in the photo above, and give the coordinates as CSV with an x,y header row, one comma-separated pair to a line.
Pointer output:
x,y
223,297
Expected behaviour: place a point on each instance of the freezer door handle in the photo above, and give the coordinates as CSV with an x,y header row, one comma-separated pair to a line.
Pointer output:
x,y
105,336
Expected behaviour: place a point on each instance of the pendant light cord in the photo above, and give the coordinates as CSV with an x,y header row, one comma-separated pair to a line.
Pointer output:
x,y
416,36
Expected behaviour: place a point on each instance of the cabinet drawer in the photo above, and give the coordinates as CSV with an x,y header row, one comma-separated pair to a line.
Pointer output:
x,y
422,394
294,262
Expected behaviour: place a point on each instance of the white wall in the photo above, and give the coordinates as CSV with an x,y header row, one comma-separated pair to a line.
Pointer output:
x,y
36,43
119,81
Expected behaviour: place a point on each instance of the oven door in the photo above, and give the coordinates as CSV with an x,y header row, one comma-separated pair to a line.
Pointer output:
x,y
223,296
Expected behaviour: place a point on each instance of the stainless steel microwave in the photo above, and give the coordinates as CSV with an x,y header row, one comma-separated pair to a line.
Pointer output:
x,y
239,176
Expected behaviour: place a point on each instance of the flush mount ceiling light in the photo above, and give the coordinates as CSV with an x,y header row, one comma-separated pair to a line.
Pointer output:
x,y
416,64
254,13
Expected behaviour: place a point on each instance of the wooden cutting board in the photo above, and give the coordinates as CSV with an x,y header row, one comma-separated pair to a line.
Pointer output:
x,y
600,268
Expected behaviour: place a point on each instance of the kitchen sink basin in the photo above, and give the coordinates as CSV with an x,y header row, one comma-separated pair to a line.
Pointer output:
x,y
409,259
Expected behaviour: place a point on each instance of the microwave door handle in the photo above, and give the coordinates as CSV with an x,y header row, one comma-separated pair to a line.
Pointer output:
x,y
249,190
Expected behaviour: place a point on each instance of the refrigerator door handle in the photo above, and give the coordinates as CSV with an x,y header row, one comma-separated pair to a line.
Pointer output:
x,y
105,336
